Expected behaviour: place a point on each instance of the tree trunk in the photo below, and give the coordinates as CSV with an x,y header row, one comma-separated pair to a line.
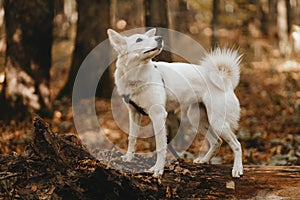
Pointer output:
x,y
61,23
58,166
214,24
288,16
157,16
93,21
29,27
179,15
263,17
282,25
272,17
295,12
282,20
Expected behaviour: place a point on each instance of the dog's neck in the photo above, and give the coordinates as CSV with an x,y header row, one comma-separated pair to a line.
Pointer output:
x,y
125,65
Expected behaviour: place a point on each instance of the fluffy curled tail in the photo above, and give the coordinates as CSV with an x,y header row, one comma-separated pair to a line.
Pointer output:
x,y
223,67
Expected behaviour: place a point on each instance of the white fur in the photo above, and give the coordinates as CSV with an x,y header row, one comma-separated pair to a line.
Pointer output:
x,y
179,87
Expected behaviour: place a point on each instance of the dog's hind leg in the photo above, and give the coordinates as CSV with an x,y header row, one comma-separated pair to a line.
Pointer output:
x,y
158,115
134,127
214,144
219,116
235,145
197,116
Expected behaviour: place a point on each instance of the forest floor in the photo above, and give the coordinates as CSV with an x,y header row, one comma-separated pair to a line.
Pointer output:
x,y
269,93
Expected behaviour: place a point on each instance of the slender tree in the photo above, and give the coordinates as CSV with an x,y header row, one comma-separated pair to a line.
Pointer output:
x,y
156,12
93,21
289,16
214,23
29,27
272,17
282,26
181,15
61,23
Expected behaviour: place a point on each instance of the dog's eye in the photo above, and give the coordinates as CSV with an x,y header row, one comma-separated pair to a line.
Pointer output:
x,y
139,40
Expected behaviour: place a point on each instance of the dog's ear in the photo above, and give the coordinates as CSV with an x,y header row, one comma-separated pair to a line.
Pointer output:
x,y
116,40
151,32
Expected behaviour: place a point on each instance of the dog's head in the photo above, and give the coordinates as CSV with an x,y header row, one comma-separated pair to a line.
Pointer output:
x,y
137,47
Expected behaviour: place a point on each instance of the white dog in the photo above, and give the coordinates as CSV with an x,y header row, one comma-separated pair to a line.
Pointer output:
x,y
154,88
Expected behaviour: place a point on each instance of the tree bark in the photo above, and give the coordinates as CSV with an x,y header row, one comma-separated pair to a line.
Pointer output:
x,y
214,24
61,23
282,26
93,21
288,16
29,27
59,166
272,17
294,12
180,17
156,12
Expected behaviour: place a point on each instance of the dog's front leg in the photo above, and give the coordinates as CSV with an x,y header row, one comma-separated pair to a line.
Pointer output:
x,y
158,115
134,127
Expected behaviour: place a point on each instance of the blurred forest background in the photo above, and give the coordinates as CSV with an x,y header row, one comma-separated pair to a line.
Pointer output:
x,y
43,43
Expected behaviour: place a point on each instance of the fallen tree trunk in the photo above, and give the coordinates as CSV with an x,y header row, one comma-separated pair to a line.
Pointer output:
x,y
59,166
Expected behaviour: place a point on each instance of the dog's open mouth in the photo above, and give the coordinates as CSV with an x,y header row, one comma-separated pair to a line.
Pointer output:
x,y
154,49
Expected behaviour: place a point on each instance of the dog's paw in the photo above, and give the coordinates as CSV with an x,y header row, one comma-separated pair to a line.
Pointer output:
x,y
200,160
237,172
127,157
157,170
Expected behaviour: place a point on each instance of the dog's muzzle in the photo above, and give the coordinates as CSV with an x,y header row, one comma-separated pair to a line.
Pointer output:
x,y
159,46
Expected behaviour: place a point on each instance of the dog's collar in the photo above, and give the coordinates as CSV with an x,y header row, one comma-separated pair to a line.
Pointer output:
x,y
137,107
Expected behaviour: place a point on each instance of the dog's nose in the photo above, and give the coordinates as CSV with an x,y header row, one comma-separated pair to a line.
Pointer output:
x,y
158,39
